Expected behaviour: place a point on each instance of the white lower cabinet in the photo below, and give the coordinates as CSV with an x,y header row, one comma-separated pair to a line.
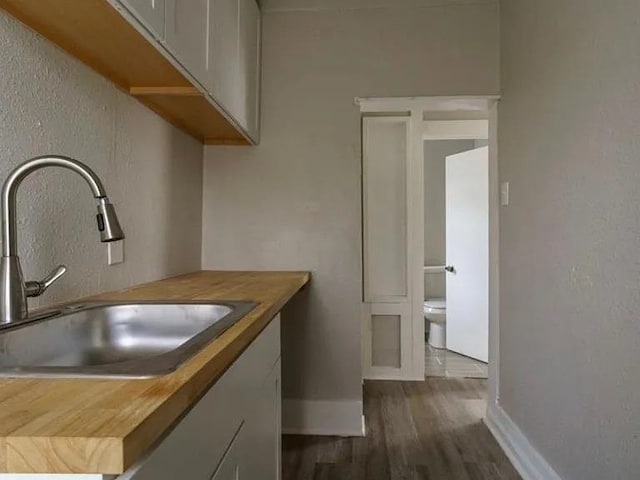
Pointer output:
x,y
234,431
232,465
255,452
262,431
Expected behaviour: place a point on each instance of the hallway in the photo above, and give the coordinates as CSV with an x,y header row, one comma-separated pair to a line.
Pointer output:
x,y
415,431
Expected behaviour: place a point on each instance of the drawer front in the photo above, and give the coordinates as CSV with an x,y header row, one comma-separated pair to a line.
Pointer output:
x,y
198,442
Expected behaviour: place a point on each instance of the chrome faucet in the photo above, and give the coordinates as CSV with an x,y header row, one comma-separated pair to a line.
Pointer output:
x,y
13,289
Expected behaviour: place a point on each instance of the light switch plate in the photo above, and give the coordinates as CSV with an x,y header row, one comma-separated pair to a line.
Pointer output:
x,y
115,252
504,194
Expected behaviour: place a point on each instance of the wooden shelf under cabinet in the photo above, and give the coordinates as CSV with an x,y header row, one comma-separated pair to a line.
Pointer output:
x,y
97,35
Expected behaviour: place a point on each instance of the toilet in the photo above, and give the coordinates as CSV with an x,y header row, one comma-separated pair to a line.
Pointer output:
x,y
435,312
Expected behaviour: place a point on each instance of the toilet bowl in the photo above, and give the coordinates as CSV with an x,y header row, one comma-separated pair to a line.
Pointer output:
x,y
435,312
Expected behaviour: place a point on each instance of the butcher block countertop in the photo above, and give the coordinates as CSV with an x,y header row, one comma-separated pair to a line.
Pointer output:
x,y
50,425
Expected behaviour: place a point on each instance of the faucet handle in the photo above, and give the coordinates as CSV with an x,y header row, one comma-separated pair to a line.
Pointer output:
x,y
35,289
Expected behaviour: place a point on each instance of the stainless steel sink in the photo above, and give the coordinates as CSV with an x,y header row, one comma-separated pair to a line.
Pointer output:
x,y
114,339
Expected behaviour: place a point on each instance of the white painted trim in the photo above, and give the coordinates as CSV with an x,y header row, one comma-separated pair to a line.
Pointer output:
x,y
396,374
342,418
443,104
494,259
415,252
455,129
525,458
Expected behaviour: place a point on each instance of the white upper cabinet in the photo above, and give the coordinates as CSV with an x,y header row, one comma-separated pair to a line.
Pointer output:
x,y
224,16
218,43
150,13
234,60
186,35
249,77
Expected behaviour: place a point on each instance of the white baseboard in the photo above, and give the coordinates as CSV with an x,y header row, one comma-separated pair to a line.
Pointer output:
x,y
525,458
322,417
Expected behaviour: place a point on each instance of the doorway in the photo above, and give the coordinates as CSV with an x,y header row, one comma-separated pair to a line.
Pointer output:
x,y
456,256
394,135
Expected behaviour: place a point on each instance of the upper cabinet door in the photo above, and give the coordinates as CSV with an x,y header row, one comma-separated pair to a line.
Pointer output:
x,y
224,18
186,35
249,62
150,13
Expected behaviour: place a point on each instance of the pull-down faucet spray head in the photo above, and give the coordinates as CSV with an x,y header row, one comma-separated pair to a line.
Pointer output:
x,y
108,224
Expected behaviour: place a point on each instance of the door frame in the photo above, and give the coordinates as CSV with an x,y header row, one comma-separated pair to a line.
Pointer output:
x,y
451,108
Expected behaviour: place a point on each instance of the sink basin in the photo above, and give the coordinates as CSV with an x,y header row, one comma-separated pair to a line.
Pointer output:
x,y
114,339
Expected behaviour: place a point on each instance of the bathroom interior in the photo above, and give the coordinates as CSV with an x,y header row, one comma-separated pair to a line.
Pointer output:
x,y
441,263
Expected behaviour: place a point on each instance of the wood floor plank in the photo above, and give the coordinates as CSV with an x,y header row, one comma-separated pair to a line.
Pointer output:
x,y
429,430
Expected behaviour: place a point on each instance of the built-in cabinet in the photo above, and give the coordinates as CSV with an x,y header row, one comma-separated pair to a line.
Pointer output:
x,y
218,43
234,431
387,292
249,62
151,14
186,34
223,54
196,63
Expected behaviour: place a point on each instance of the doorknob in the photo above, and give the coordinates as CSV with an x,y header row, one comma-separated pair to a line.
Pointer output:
x,y
450,269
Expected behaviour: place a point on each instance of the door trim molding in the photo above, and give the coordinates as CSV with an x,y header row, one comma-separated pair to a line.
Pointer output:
x,y
468,107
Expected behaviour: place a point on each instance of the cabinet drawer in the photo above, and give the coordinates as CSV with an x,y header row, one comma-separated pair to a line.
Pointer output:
x,y
195,447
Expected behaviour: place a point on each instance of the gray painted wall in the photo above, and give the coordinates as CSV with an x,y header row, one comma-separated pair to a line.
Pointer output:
x,y
570,239
294,201
50,103
435,238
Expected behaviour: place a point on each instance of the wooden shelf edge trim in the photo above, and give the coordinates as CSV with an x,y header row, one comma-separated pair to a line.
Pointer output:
x,y
169,91
226,141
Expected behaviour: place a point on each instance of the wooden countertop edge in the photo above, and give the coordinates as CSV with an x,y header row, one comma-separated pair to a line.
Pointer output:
x,y
112,455
135,445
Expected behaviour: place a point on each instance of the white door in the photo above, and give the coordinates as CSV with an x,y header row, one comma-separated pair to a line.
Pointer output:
x,y
467,230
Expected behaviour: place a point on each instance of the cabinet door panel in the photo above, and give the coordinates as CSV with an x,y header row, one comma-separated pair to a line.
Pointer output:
x,y
198,442
187,35
223,53
263,430
151,13
249,63
232,466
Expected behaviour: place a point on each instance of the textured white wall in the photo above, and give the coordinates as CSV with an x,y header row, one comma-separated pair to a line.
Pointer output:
x,y
570,238
50,103
435,238
294,201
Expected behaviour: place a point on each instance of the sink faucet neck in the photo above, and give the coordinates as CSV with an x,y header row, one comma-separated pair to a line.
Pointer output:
x,y
10,189
13,290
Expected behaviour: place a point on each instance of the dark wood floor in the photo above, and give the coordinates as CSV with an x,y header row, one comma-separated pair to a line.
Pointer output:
x,y
415,431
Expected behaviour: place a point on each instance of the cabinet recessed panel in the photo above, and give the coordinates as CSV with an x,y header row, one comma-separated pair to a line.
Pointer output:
x,y
151,14
187,34
385,341
385,209
224,53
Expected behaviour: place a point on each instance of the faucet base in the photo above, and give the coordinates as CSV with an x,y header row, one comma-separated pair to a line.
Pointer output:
x,y
13,300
